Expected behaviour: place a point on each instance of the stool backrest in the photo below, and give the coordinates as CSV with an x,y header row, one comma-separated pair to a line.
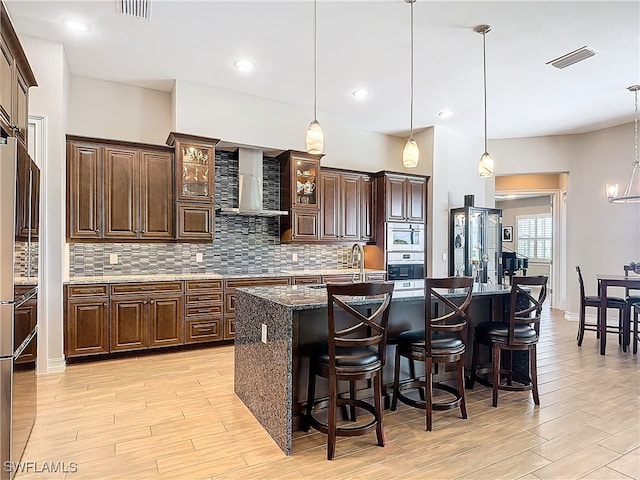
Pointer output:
x,y
444,312
525,307
358,329
635,268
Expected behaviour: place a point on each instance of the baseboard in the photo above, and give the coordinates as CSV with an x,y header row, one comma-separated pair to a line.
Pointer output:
x,y
572,317
612,319
56,365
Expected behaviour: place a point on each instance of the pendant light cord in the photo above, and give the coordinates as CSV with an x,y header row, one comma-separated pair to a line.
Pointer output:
x,y
315,62
411,89
484,83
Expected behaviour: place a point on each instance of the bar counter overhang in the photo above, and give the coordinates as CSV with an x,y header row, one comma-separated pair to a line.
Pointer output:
x,y
271,378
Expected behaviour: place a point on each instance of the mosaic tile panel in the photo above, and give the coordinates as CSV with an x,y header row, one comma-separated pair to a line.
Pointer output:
x,y
241,244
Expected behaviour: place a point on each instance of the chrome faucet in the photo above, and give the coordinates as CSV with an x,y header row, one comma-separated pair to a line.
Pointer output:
x,y
358,247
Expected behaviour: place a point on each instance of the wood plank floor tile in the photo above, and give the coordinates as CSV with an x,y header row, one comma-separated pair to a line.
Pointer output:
x,y
174,415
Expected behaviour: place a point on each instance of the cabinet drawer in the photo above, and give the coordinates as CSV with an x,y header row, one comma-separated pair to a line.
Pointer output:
x,y
207,298
229,327
204,330
307,280
146,287
200,310
203,285
75,291
339,278
375,277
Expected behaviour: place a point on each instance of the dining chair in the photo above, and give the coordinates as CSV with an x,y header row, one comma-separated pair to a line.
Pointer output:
x,y
521,331
632,297
594,301
355,350
441,341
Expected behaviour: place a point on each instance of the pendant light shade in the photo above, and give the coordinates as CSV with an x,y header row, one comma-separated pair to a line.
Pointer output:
x,y
315,137
411,154
485,166
632,191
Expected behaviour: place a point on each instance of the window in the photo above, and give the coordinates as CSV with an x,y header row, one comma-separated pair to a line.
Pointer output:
x,y
535,234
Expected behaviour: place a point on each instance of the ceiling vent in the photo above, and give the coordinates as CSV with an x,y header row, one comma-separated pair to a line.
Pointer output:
x,y
573,57
136,8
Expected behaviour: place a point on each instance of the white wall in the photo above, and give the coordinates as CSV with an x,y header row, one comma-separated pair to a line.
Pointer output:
x,y
249,120
49,65
601,237
122,112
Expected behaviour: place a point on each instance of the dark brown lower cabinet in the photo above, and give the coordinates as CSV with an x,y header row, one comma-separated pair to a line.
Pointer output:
x,y
86,320
203,311
143,318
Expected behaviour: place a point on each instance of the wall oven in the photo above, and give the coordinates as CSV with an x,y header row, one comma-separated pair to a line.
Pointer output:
x,y
406,270
405,237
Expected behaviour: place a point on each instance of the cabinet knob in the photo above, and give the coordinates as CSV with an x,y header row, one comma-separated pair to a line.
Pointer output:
x,y
104,304
145,302
152,302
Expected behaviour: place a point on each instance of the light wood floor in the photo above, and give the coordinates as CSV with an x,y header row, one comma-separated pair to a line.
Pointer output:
x,y
175,416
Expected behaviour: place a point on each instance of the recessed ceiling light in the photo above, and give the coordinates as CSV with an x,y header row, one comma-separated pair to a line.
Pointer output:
x,y
445,114
360,93
76,25
244,65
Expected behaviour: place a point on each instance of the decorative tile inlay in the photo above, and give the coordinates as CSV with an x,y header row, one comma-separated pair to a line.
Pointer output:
x,y
241,244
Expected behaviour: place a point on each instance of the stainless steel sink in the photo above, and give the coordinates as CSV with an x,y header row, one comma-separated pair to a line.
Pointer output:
x,y
318,285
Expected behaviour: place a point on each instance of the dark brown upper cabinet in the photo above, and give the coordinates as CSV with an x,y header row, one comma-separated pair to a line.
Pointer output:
x,y
405,198
119,191
342,205
300,194
16,77
195,186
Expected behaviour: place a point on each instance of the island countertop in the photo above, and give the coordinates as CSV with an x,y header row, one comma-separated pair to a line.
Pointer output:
x,y
306,297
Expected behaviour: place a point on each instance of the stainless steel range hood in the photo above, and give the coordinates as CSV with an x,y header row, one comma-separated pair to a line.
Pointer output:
x,y
250,186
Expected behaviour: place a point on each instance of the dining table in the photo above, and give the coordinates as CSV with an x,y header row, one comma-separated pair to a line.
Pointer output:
x,y
604,282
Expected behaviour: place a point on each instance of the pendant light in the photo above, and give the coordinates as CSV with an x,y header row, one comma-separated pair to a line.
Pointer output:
x,y
411,154
485,166
315,138
632,192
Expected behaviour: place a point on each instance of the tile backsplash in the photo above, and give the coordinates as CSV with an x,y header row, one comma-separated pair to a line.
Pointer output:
x,y
241,244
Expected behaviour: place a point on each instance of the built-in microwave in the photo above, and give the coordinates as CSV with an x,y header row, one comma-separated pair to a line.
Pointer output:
x,y
405,237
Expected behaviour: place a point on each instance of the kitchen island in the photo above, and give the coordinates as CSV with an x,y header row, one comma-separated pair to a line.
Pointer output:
x,y
276,327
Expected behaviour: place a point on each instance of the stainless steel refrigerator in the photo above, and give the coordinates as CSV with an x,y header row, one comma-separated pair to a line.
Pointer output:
x,y
19,224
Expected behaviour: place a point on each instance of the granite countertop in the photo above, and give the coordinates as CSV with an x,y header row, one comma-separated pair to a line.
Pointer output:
x,y
210,276
26,281
304,297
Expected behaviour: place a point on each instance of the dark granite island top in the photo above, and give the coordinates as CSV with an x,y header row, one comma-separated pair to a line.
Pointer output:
x,y
271,378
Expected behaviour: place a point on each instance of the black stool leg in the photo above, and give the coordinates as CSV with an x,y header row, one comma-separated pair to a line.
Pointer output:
x,y
496,373
377,393
396,379
428,373
311,391
463,404
533,361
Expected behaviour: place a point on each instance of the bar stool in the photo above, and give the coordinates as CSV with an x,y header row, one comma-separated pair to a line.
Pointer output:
x,y
594,301
520,332
355,351
441,341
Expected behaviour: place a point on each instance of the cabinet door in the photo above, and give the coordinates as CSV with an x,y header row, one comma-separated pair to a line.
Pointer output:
x,y
350,207
195,221
396,199
87,327
21,107
416,200
194,172
84,191
330,206
6,83
229,327
128,323
305,225
121,193
367,209
156,195
166,325
23,166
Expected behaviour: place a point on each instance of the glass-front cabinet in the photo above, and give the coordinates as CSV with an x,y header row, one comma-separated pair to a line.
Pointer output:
x,y
306,181
475,244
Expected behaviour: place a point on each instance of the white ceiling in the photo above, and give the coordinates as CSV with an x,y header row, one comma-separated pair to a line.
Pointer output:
x,y
366,44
